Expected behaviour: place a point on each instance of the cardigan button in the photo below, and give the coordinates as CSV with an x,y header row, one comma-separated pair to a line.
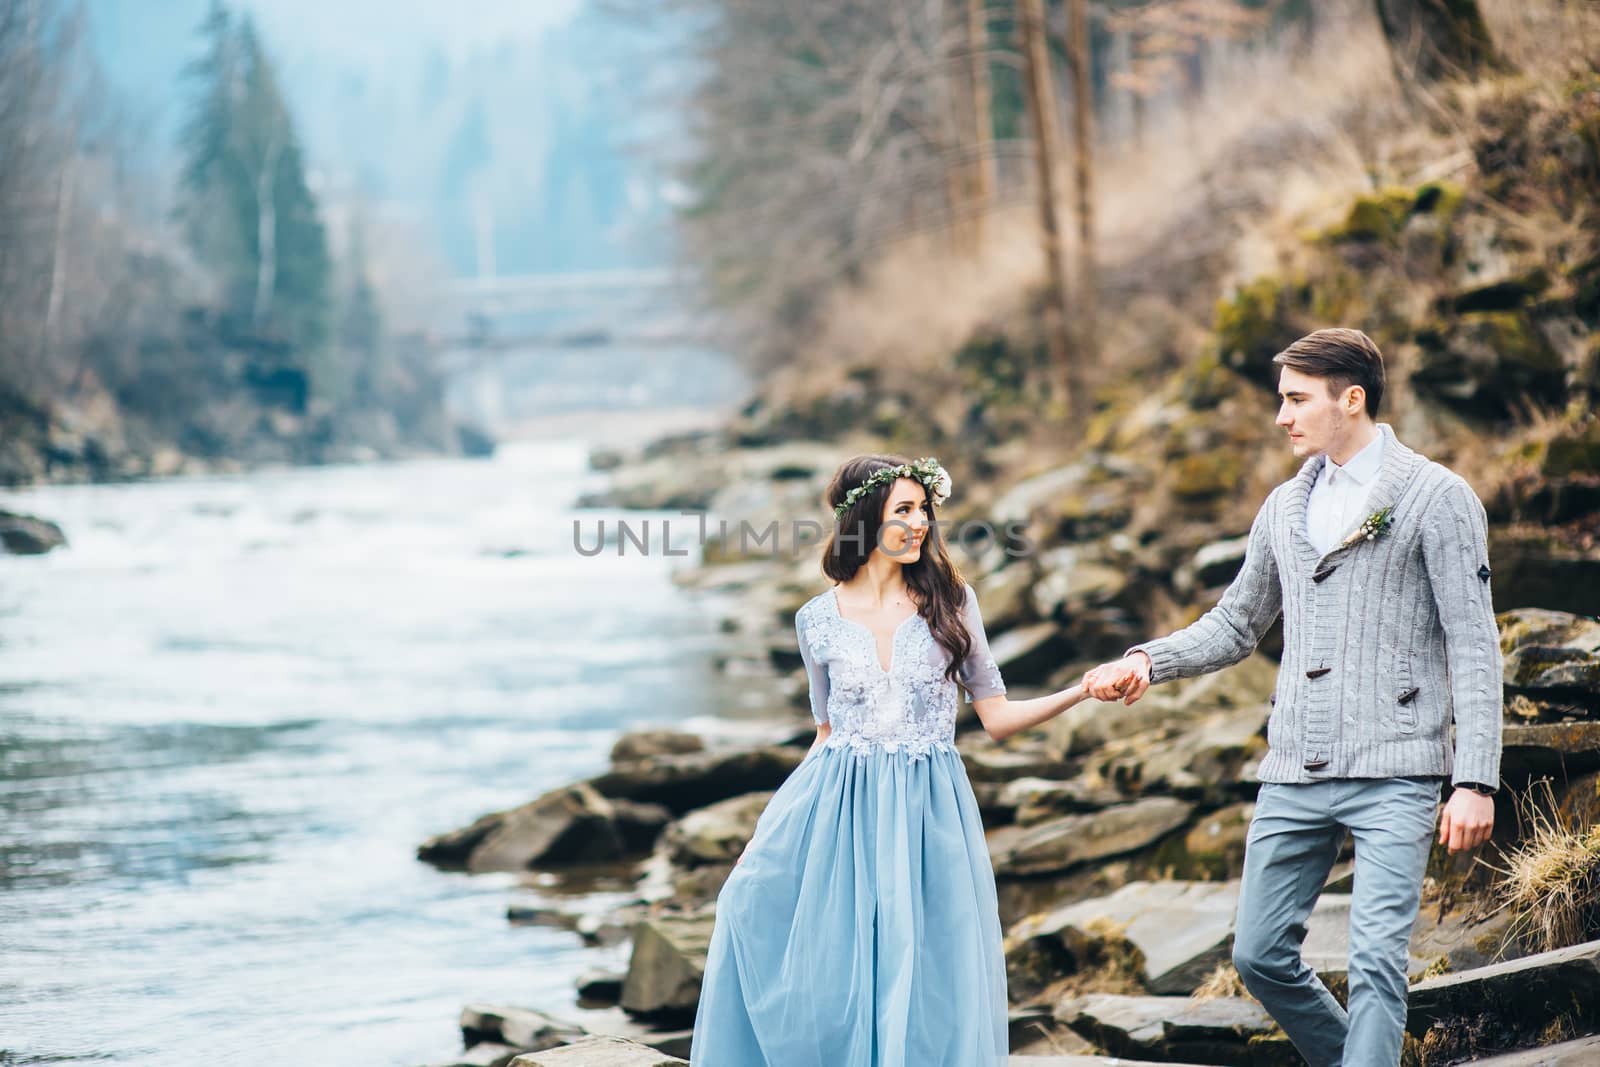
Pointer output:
x,y
1316,762
1324,574
1318,672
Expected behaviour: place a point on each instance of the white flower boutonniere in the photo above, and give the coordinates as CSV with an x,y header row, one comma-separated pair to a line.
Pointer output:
x,y
1376,525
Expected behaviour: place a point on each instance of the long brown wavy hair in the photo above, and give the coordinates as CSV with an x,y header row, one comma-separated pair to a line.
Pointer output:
x,y
936,585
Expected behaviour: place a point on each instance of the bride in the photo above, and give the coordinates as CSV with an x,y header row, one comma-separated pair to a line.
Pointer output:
x,y
860,927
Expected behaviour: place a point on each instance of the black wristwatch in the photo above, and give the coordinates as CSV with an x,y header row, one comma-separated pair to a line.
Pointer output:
x,y
1478,788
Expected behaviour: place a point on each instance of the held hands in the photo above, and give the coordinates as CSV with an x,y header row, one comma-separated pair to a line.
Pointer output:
x,y
1467,821
1126,680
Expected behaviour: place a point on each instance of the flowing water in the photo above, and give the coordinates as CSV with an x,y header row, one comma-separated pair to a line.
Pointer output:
x,y
232,708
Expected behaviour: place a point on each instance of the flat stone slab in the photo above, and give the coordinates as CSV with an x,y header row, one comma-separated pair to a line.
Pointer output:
x,y
1550,653
1584,1052
1525,994
600,1052
668,962
690,780
1072,840
1219,1030
1183,929
522,1028
1088,1061
1326,948
1552,747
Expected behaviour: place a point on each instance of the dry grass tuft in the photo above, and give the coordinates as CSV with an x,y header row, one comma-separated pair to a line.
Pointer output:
x,y
1223,982
1551,879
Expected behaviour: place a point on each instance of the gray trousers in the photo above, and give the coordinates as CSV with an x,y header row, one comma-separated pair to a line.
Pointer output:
x,y
1294,839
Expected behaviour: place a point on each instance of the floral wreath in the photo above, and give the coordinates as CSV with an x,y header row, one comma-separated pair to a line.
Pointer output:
x,y
926,470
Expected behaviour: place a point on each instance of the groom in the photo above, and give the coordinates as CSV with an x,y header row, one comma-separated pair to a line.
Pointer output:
x,y
1378,561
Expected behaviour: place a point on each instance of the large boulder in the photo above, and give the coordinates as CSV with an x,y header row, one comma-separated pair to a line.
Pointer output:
x,y
1207,756
1584,1052
1550,748
714,834
1213,566
1215,844
521,1028
991,763
1516,1000
647,744
599,1051
668,962
571,825
1222,1030
1535,568
1029,654
1552,657
1182,930
1326,948
1073,840
25,535
695,779
1477,363
1036,800
1072,576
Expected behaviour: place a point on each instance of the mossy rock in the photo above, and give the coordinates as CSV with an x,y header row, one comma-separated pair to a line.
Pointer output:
x,y
997,367
1575,451
1490,364
1374,217
1381,216
1207,475
1205,383
1505,295
1261,319
1440,199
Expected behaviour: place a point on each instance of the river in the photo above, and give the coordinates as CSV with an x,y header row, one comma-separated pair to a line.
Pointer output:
x,y
232,707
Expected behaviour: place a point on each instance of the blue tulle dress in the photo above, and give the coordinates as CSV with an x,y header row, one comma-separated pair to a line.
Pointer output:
x,y
861,928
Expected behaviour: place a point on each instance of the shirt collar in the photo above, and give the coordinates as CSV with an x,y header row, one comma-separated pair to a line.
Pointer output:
x,y
1363,466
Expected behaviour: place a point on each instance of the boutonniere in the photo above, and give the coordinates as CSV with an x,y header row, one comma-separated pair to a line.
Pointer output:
x,y
1375,526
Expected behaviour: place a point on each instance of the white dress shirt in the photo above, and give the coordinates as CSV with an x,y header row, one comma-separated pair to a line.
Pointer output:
x,y
1339,496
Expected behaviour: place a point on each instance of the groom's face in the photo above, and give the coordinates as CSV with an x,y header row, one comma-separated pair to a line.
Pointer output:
x,y
1308,412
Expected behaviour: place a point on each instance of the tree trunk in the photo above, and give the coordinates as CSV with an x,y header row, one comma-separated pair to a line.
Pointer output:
x,y
266,231
983,164
1039,91
1083,171
58,258
1434,39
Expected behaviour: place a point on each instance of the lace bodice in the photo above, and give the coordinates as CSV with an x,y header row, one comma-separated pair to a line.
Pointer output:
x,y
909,708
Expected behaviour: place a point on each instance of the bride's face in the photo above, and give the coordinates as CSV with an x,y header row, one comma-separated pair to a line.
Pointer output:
x,y
905,521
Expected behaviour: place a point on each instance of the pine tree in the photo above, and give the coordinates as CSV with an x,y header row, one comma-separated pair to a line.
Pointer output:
x,y
248,212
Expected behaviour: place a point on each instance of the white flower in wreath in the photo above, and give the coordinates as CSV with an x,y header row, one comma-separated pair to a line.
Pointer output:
x,y
941,486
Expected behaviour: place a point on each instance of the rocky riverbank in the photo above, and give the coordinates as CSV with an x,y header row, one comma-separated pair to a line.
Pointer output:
x,y
1117,838
1117,833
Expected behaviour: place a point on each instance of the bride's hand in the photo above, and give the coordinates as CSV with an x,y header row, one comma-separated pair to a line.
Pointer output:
x,y
1127,679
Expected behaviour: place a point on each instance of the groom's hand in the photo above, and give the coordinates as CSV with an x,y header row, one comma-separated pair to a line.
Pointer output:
x,y
1468,820
1127,679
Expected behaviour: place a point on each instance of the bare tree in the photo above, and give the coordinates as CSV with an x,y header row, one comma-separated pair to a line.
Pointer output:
x,y
1039,90
983,180
1083,170
818,133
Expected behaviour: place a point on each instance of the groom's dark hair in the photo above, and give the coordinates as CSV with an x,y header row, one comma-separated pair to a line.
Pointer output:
x,y
1343,358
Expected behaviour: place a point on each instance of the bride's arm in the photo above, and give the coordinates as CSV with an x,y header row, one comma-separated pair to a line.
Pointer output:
x,y
823,730
1001,716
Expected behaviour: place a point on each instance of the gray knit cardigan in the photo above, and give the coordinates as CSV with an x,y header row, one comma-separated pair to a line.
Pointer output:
x,y
1386,642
